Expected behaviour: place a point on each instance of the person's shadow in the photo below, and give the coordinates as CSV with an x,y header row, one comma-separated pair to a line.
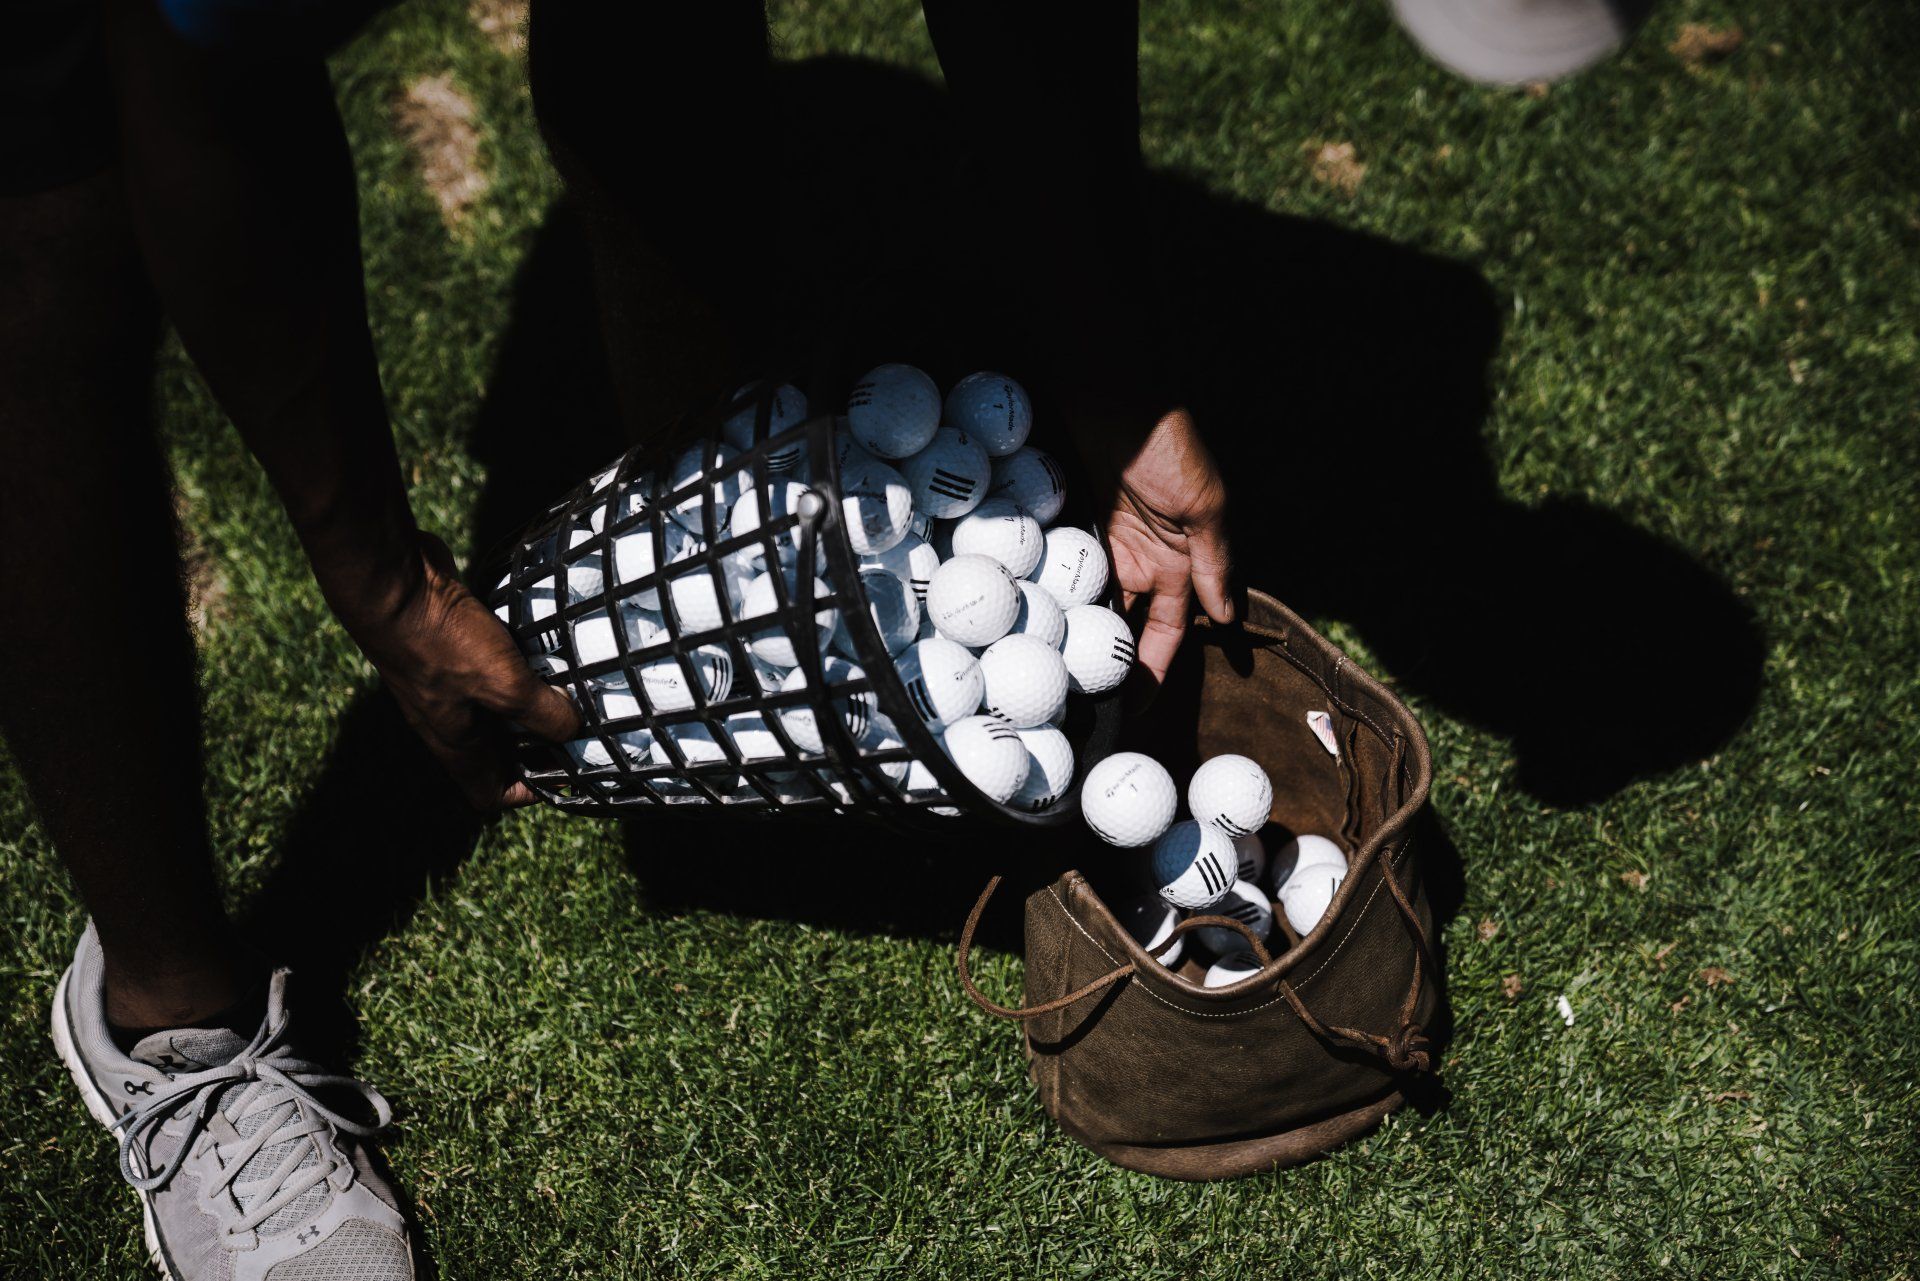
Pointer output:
x,y
1341,378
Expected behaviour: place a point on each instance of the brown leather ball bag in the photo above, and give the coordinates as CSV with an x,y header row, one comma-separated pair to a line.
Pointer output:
x,y
1157,1073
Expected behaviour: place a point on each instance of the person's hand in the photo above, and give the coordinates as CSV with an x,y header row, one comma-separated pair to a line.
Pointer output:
x,y
452,667
1168,534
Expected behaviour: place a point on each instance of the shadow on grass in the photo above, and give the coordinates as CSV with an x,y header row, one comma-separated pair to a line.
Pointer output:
x,y
1341,378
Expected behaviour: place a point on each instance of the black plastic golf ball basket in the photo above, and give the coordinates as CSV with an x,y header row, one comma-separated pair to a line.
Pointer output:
x,y
846,775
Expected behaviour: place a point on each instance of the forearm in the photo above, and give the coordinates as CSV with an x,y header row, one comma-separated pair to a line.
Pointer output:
x,y
242,195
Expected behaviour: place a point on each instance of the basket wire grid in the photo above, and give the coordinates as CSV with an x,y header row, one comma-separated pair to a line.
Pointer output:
x,y
575,542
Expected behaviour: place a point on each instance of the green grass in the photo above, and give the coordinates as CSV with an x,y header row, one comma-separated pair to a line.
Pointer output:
x,y
1712,329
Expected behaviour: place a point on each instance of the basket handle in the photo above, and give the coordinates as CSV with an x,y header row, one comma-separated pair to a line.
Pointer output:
x,y
1031,1011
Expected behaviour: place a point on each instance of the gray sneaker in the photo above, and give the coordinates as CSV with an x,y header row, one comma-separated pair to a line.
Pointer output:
x,y
243,1174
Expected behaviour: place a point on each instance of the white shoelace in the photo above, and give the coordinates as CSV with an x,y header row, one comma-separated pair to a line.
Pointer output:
x,y
264,1077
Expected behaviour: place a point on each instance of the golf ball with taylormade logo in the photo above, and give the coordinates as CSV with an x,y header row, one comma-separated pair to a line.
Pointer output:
x,y
989,752
690,508
1253,859
1229,970
949,476
993,409
943,681
773,644
912,560
894,410
1032,479
1303,851
1098,649
1150,923
972,600
1128,799
1246,903
635,558
1192,865
876,502
891,606
1049,769
1073,568
999,529
1308,891
1231,793
1026,680
786,409
1040,616
670,688
856,708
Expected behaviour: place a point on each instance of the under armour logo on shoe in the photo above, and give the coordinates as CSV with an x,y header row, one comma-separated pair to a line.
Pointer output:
x,y
137,1087
305,1235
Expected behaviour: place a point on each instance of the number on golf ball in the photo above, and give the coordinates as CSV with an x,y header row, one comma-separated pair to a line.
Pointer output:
x,y
1128,799
972,600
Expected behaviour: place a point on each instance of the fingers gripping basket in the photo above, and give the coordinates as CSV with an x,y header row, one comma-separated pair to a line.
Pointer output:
x,y
1158,1073
636,595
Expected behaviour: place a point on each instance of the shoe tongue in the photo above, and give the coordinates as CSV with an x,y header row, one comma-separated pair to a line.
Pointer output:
x,y
189,1049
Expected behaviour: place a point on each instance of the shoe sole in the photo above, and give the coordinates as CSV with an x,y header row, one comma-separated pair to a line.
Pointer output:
x,y
98,1108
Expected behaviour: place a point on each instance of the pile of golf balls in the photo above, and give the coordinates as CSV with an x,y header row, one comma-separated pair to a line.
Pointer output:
x,y
1212,864
990,611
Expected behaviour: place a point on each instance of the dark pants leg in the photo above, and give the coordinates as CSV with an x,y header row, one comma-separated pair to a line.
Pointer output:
x,y
98,701
657,116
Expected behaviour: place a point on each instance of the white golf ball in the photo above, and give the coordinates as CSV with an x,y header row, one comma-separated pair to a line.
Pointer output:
x,y
1303,851
585,570
856,710
943,681
1246,903
699,747
891,606
912,560
696,600
594,641
783,500
1031,478
972,600
876,504
989,752
670,688
1232,793
689,509
1098,649
629,501
788,409
894,410
1192,865
1073,568
993,409
775,644
635,559
751,737
1308,891
1049,769
1253,858
997,528
1151,923
949,476
1128,799
1026,680
1040,615
883,736
1229,970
